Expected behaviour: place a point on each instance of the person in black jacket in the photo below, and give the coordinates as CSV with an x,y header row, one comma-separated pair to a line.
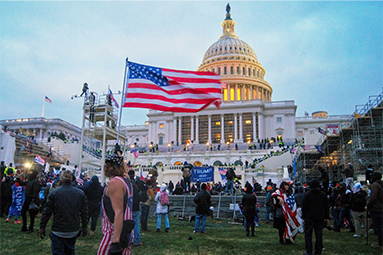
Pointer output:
x,y
32,190
315,211
203,202
344,200
358,203
249,203
94,193
324,178
69,207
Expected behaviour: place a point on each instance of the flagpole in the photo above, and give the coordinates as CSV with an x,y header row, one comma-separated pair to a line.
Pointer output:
x,y
122,100
42,115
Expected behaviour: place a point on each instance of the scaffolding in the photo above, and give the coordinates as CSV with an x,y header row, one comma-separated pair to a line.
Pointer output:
x,y
99,133
359,142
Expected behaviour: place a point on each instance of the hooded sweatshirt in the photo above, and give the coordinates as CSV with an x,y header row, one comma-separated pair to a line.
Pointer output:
x,y
161,208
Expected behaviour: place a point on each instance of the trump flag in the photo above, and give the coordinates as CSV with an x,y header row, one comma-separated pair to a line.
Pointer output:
x,y
170,90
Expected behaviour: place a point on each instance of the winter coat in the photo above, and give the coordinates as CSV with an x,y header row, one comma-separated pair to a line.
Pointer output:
x,y
69,207
161,209
374,202
249,203
203,202
315,205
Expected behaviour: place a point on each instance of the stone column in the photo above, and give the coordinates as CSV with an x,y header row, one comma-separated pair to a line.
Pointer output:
x,y
209,129
235,128
196,130
175,130
191,128
260,125
240,128
251,93
179,130
222,129
255,135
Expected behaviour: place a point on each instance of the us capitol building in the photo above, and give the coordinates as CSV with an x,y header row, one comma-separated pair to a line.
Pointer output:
x,y
247,115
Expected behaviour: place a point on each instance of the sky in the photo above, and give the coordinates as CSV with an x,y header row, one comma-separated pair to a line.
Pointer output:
x,y
323,55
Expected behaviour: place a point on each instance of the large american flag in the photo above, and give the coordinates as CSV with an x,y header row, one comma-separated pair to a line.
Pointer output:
x,y
171,90
289,207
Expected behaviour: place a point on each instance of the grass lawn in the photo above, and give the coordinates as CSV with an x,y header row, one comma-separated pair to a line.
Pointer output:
x,y
221,238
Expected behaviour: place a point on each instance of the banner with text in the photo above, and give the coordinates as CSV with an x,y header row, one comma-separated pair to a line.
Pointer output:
x,y
203,174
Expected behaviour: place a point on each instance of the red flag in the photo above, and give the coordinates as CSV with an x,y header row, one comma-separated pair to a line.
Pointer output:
x,y
171,90
112,97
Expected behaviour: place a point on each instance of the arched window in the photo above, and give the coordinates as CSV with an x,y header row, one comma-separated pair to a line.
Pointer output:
x,y
249,71
243,70
238,70
231,70
253,72
225,70
219,70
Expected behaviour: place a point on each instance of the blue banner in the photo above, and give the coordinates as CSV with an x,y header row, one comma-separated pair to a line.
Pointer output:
x,y
203,174
18,196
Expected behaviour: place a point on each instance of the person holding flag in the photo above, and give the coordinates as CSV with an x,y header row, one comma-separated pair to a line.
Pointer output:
x,y
285,211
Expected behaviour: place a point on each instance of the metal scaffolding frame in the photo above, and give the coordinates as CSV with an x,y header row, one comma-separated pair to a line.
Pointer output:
x,y
359,142
99,133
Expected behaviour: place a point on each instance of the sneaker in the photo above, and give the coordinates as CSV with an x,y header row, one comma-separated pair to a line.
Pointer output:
x,y
195,232
7,220
356,235
158,230
166,230
17,222
138,245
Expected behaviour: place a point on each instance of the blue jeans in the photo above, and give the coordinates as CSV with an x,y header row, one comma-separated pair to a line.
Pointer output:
x,y
144,216
159,218
137,231
268,211
344,214
335,211
199,217
231,184
62,246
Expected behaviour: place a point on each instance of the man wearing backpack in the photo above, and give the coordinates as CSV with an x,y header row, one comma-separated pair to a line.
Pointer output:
x,y
136,210
358,202
186,170
203,202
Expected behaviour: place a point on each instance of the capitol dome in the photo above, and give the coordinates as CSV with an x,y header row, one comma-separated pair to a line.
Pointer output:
x,y
237,63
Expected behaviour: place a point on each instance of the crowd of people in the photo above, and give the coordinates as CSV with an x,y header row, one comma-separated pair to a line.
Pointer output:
x,y
125,203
